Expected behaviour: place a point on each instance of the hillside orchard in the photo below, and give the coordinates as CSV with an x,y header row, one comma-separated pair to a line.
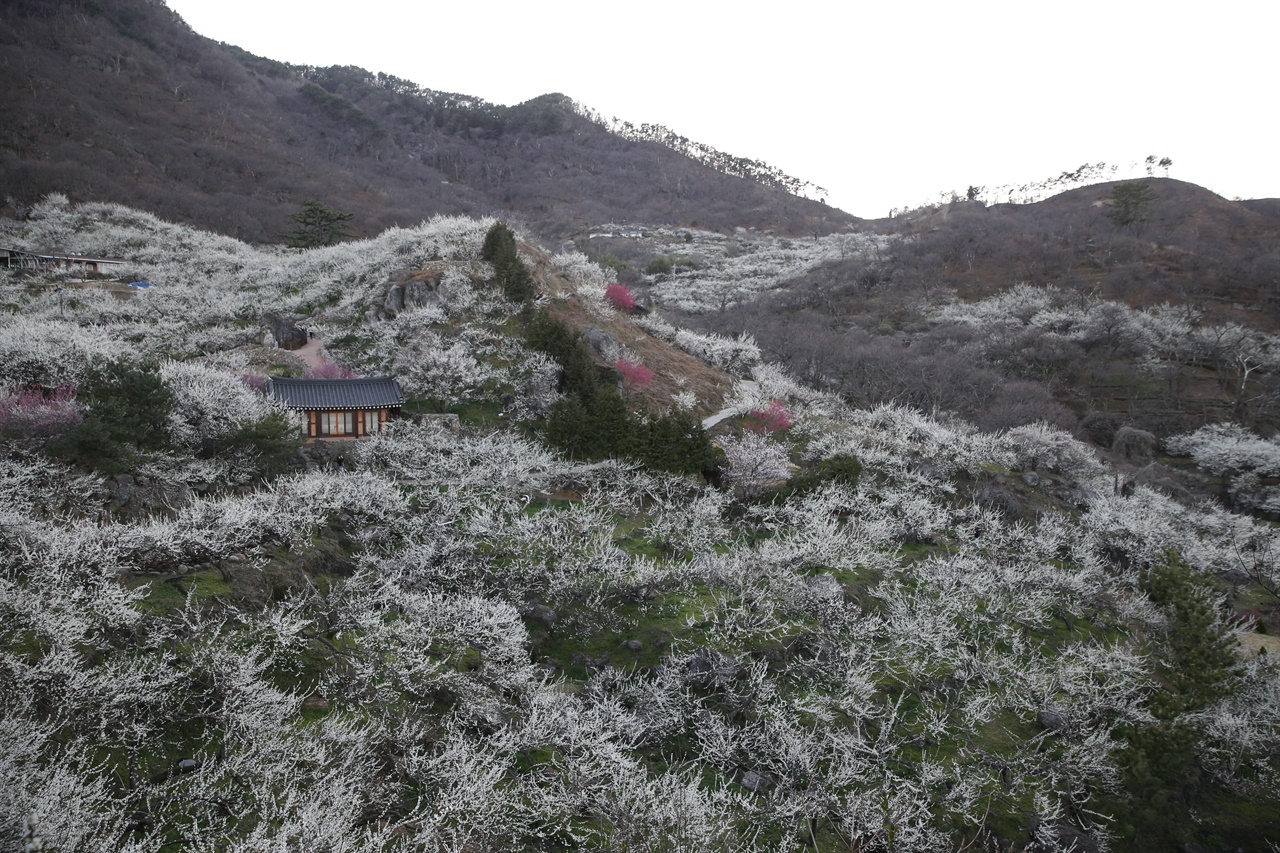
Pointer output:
x,y
873,628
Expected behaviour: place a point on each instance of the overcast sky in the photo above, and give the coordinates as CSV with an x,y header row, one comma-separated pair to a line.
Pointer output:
x,y
885,105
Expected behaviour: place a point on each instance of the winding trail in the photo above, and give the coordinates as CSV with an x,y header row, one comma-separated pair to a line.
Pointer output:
x,y
312,353
724,414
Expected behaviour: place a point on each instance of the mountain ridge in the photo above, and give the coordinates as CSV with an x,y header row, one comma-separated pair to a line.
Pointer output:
x,y
150,113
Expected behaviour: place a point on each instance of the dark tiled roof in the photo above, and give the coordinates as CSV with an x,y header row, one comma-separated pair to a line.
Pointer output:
x,y
376,392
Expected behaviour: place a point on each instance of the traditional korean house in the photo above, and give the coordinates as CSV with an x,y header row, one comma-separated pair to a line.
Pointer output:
x,y
340,408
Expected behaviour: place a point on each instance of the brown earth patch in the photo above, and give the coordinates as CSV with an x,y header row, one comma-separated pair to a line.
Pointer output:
x,y
1249,646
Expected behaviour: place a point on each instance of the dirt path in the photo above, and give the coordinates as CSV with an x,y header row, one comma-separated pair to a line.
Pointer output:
x,y
311,353
725,414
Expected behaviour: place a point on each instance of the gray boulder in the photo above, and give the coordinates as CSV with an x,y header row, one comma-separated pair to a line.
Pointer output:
x,y
605,344
408,289
395,298
711,668
285,333
1134,445
998,497
423,290
756,782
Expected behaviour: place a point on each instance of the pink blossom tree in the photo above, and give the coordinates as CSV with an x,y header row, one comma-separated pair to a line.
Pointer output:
x,y
775,417
620,295
30,410
634,374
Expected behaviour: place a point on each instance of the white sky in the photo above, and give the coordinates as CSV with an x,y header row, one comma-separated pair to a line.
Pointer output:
x,y
884,104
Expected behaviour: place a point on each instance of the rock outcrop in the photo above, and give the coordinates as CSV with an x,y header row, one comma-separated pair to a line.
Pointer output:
x,y
284,333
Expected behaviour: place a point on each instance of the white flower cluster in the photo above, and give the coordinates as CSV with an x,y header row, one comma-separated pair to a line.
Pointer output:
x,y
587,279
209,403
1161,336
741,268
469,643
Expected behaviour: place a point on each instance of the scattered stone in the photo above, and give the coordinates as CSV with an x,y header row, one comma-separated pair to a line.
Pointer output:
x,y
541,614
1031,478
1077,496
187,765
406,290
1054,719
999,498
755,782
123,489
315,702
395,298
710,668
423,290
634,645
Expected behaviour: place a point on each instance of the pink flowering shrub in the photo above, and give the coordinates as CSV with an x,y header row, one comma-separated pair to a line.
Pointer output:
x,y
620,295
330,370
633,375
775,417
254,381
34,411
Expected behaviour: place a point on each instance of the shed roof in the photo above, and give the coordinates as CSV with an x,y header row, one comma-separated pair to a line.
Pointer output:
x,y
56,257
375,392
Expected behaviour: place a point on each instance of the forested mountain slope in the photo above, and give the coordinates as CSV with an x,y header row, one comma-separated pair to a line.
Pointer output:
x,y
1007,314
118,100
856,628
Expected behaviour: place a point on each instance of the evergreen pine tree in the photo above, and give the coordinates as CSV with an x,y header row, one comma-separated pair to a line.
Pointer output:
x,y
611,428
512,276
567,427
317,226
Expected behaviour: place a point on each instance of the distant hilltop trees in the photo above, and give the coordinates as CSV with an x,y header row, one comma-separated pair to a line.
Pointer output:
x,y
1033,191
740,167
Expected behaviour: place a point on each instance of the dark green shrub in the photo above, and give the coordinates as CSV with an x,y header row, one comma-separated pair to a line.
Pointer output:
x,y
843,468
127,408
271,441
659,266
580,376
676,442
499,249
593,422
1164,781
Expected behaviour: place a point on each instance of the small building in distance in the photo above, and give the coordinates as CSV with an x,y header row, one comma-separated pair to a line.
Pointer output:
x,y
340,408
19,259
